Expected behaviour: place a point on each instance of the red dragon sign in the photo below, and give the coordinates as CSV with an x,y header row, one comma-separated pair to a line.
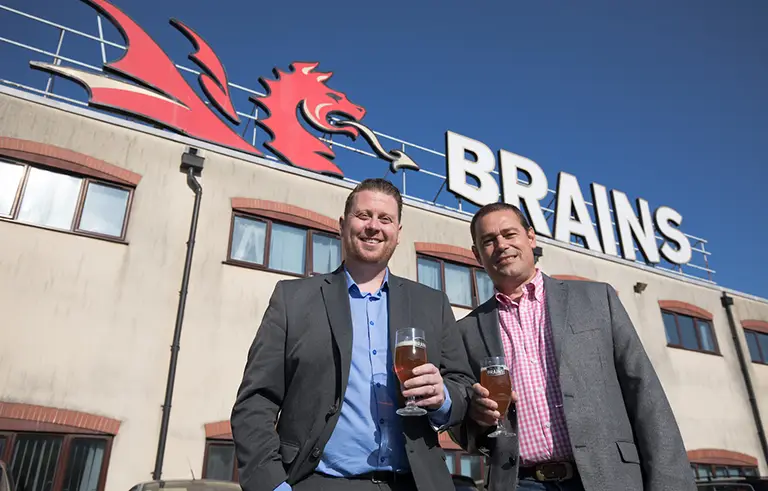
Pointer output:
x,y
157,93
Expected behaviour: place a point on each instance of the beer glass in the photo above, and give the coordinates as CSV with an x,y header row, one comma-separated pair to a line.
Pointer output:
x,y
495,377
410,352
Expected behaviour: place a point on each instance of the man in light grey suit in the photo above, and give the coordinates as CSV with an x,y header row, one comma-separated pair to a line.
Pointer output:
x,y
316,407
590,412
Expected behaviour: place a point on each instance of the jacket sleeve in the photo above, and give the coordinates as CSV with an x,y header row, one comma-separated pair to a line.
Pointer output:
x,y
455,369
660,448
258,401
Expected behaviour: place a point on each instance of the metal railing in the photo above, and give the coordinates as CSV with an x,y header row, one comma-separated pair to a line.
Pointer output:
x,y
697,268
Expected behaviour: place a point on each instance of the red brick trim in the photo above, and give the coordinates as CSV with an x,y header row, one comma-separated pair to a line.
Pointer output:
x,y
448,252
570,277
59,417
446,442
718,456
220,430
755,325
685,309
287,213
64,159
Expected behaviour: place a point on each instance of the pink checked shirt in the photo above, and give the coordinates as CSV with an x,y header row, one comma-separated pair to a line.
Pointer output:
x,y
526,334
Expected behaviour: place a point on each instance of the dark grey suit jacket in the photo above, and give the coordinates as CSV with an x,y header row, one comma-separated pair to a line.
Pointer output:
x,y
298,366
623,433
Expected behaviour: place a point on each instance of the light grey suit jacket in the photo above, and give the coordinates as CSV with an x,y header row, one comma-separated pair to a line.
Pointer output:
x,y
623,433
298,366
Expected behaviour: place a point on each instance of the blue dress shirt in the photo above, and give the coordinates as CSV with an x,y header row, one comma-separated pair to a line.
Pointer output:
x,y
368,435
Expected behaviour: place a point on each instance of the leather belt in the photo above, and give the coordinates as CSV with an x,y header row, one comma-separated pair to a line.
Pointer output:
x,y
380,477
548,471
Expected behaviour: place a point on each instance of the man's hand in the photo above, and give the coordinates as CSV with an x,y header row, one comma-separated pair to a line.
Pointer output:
x,y
484,410
427,386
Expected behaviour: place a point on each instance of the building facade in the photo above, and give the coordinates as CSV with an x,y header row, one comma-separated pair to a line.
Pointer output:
x,y
94,220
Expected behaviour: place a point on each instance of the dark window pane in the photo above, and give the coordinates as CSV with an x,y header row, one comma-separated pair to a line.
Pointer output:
x,y
671,328
3,441
688,332
450,462
10,177
33,464
752,343
750,471
733,472
287,248
86,456
429,273
706,335
704,471
104,210
458,284
763,339
484,286
49,199
221,462
248,239
721,472
326,253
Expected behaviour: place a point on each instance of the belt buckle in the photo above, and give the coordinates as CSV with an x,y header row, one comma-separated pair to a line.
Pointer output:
x,y
378,477
554,471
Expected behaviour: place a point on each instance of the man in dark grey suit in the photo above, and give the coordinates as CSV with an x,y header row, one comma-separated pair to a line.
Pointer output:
x,y
590,412
316,407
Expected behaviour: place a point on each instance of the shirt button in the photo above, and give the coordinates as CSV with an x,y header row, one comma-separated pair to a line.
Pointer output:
x,y
374,352
371,322
381,421
382,460
547,425
378,384
533,360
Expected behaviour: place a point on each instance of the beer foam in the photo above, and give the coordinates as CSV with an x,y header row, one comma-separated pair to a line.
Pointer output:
x,y
418,343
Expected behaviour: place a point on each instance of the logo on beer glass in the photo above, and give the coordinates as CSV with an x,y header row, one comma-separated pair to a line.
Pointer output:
x,y
410,352
495,377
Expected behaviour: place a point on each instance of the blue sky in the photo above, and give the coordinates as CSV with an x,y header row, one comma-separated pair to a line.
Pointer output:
x,y
667,101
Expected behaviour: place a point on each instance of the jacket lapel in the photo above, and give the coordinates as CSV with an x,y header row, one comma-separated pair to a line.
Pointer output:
x,y
399,310
488,318
557,307
336,299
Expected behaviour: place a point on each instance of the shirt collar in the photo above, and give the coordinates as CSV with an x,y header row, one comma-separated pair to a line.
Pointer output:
x,y
351,285
534,289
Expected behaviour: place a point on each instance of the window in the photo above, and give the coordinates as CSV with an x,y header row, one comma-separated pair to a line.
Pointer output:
x,y
272,245
758,346
461,463
712,471
55,461
465,286
687,332
219,461
57,200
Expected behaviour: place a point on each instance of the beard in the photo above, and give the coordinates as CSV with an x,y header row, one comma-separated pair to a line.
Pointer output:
x,y
377,253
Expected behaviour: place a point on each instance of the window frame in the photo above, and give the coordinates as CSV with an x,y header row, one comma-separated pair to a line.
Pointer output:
x,y
713,468
696,321
218,442
268,221
763,356
472,269
64,453
457,455
85,181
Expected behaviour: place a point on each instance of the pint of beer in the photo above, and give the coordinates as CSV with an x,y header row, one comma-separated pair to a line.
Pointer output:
x,y
409,355
495,376
410,352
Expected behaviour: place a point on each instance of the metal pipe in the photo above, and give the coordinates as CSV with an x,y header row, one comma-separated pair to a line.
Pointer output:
x,y
727,303
198,190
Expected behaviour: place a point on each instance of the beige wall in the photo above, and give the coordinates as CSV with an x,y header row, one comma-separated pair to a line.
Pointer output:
x,y
90,322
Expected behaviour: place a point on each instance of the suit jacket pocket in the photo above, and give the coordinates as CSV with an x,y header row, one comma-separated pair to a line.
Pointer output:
x,y
628,452
288,452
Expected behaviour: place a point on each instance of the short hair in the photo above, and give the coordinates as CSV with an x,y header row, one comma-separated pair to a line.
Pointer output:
x,y
500,206
379,185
